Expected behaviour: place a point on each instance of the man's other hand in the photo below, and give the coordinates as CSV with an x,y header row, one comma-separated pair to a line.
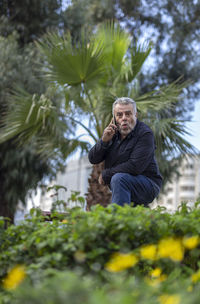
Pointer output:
x,y
101,181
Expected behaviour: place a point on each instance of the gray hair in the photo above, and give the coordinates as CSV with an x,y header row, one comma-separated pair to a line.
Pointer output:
x,y
124,100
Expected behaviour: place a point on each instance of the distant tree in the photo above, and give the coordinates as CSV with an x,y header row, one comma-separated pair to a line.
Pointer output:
x,y
88,13
30,18
21,169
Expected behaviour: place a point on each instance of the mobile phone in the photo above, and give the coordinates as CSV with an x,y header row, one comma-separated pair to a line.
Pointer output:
x,y
114,120
115,123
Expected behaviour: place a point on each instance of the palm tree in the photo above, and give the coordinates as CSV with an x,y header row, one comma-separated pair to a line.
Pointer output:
x,y
89,75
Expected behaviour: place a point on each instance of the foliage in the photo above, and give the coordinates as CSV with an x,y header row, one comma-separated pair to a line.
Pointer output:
x,y
88,239
18,164
43,16
91,254
75,200
64,287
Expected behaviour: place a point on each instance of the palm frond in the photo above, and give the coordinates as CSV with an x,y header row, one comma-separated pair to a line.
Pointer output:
x,y
170,136
93,58
31,116
88,130
70,146
34,119
139,53
72,64
165,98
116,43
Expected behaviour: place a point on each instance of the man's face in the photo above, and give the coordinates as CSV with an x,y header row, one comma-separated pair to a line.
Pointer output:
x,y
126,118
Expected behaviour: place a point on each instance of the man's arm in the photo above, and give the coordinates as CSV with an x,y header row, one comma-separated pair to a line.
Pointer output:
x,y
98,152
139,159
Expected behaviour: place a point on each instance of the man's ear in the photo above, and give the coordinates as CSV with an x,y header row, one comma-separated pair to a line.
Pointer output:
x,y
136,114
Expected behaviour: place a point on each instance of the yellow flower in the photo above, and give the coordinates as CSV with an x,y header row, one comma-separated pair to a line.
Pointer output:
x,y
14,277
191,242
64,221
196,276
169,299
155,281
190,288
162,278
148,252
156,272
156,277
121,261
171,248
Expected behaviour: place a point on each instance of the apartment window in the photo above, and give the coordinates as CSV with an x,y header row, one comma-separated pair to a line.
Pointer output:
x,y
187,199
189,166
189,175
169,201
187,188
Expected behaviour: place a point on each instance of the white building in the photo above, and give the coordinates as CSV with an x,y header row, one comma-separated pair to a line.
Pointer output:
x,y
185,186
75,178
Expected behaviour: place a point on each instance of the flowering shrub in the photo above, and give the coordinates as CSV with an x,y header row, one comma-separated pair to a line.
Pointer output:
x,y
70,287
121,261
157,251
14,277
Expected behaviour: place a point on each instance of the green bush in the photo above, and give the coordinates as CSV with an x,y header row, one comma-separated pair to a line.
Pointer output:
x,y
148,245
58,287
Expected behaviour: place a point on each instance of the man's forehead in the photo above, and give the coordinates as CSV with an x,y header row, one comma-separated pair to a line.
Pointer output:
x,y
123,108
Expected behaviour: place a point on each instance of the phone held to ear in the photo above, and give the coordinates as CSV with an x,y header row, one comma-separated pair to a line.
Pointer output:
x,y
115,123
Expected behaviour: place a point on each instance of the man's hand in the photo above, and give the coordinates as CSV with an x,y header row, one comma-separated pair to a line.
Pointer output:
x,y
109,132
101,181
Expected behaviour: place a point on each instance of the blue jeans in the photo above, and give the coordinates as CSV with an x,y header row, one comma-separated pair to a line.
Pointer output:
x,y
138,189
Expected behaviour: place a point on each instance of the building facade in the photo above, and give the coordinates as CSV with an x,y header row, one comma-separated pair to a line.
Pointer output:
x,y
185,186
75,178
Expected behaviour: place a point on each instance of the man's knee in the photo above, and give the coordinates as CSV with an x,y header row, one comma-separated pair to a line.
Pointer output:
x,y
119,179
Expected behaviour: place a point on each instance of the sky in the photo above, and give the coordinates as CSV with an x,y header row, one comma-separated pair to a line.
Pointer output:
x,y
194,127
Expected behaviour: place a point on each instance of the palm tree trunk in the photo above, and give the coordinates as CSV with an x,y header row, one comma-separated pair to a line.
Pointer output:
x,y
6,212
97,194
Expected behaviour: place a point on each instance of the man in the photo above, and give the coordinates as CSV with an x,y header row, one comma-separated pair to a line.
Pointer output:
x,y
128,148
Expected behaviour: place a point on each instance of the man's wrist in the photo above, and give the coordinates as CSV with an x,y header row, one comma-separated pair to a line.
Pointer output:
x,y
106,176
104,143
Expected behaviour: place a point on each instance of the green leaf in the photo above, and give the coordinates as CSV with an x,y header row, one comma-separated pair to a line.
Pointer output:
x,y
72,64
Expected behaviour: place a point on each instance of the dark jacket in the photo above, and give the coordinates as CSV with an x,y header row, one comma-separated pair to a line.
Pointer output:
x,y
134,155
